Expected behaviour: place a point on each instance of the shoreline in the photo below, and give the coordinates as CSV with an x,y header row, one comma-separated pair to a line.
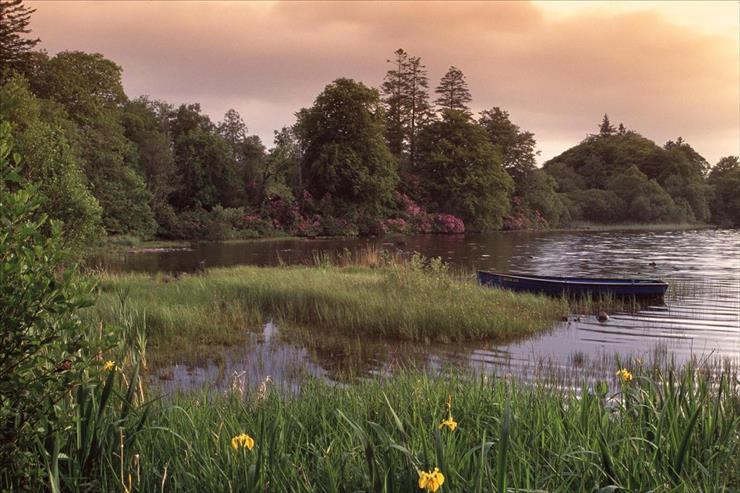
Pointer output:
x,y
135,245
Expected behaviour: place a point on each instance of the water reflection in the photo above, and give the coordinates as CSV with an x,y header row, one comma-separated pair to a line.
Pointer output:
x,y
701,315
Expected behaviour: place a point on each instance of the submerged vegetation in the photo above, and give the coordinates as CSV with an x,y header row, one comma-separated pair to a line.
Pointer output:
x,y
412,300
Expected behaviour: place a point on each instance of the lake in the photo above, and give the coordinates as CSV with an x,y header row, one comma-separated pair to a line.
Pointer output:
x,y
700,318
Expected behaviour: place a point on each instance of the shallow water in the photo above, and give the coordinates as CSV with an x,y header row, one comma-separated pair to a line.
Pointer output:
x,y
700,317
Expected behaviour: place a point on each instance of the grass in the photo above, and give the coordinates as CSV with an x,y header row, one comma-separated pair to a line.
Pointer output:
x,y
677,432
588,226
391,298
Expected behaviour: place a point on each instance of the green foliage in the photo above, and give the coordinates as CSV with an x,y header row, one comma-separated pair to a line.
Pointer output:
x,y
146,124
45,349
406,98
461,172
538,197
208,176
344,152
725,182
677,433
517,147
643,182
453,92
15,47
49,161
89,88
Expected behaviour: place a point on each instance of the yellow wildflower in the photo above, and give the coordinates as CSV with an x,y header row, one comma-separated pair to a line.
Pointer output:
x,y
242,440
109,366
449,423
624,375
432,480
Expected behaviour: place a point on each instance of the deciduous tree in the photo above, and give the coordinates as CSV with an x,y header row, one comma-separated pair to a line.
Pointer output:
x,y
343,149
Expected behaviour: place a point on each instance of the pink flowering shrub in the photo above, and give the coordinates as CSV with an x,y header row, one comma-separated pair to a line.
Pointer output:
x,y
522,217
447,223
399,226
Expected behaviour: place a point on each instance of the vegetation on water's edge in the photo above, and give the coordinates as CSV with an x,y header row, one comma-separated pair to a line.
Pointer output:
x,y
410,300
678,433
588,226
359,160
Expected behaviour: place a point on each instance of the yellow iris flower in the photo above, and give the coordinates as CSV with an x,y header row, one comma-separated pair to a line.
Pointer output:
x,y
625,375
450,421
109,366
242,440
432,480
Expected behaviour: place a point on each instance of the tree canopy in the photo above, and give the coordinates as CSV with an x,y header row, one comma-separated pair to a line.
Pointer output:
x,y
358,160
344,152
461,172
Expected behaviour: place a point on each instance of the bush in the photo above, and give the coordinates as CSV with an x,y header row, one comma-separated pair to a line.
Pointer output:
x,y
45,352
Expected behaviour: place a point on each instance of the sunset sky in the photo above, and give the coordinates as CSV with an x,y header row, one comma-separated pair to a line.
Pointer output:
x,y
663,68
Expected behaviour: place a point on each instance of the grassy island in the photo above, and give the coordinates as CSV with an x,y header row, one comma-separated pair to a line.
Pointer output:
x,y
412,300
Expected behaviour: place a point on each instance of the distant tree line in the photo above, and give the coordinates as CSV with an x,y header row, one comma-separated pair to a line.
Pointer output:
x,y
358,161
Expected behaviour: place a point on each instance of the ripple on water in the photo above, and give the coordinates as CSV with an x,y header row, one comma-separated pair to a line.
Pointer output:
x,y
700,317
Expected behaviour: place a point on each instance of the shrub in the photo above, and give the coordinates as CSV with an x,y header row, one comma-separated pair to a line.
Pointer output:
x,y
44,349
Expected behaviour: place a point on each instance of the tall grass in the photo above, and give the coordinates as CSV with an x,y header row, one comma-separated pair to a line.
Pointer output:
x,y
679,432
410,300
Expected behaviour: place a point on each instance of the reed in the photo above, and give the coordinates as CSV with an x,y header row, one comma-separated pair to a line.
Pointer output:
x,y
677,432
413,300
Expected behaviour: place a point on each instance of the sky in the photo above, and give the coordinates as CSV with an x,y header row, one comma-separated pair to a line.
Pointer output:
x,y
664,69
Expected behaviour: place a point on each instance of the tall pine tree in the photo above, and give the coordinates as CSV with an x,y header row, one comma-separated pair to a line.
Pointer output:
x,y
14,46
453,92
406,97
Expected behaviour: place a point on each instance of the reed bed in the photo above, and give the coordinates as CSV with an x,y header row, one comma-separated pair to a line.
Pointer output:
x,y
670,432
412,300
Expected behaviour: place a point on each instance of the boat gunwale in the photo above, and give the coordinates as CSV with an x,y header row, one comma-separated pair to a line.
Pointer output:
x,y
593,281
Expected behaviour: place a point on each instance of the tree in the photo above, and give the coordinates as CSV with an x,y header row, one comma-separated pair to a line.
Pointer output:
x,y
517,147
585,170
283,163
51,164
453,92
343,150
406,98
419,110
89,88
395,91
146,124
725,182
15,47
699,164
606,128
87,84
461,172
208,174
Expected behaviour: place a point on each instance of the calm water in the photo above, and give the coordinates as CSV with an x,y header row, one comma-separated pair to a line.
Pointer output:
x,y
700,317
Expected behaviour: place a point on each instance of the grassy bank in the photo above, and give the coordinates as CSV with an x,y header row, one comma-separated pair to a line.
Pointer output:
x,y
407,300
679,433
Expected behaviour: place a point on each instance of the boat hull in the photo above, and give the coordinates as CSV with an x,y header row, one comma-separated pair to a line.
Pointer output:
x,y
574,286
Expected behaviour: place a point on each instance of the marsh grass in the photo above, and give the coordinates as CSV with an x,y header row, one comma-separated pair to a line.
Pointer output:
x,y
675,431
374,296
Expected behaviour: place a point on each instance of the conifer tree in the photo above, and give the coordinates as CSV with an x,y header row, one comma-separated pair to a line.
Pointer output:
x,y
395,96
606,128
406,97
453,92
14,46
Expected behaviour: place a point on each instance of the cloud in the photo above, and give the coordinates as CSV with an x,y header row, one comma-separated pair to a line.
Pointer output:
x,y
555,74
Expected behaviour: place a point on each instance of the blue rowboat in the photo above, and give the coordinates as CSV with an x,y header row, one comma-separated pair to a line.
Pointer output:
x,y
575,286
